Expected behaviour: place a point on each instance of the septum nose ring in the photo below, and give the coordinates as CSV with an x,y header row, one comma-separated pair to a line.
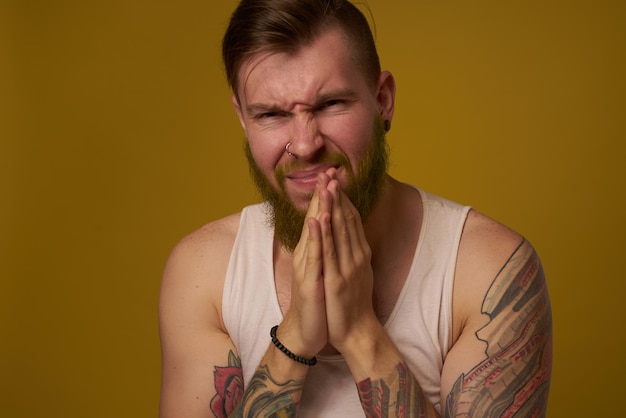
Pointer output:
x,y
289,153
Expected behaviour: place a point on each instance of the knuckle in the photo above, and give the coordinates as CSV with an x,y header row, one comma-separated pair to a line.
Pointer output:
x,y
352,215
367,253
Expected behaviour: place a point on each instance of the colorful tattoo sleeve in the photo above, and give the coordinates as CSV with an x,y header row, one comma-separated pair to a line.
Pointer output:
x,y
264,397
399,396
514,378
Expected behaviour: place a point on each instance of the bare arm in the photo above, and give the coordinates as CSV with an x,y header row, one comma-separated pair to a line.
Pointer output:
x,y
199,361
501,362
201,371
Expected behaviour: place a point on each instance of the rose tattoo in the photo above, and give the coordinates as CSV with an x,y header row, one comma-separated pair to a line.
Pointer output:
x,y
229,387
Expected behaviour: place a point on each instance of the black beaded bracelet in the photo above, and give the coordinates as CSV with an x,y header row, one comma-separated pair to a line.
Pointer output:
x,y
288,353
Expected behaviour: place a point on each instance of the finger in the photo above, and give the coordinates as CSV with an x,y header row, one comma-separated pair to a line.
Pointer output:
x,y
313,211
354,223
320,203
306,317
313,251
331,173
306,285
342,228
313,287
316,207
329,253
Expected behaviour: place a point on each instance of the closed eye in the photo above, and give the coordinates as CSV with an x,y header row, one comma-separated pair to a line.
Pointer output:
x,y
331,103
336,99
268,115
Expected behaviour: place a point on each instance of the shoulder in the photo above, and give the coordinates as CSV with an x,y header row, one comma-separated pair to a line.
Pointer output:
x,y
485,249
214,236
485,245
196,267
205,247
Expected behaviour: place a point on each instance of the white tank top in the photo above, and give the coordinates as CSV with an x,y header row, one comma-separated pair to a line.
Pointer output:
x,y
420,324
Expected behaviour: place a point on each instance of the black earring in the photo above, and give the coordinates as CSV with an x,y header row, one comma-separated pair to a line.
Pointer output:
x,y
387,125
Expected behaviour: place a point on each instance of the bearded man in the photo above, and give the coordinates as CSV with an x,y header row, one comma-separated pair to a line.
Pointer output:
x,y
346,293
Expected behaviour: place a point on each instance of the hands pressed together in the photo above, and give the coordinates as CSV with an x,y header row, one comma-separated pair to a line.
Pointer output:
x,y
331,291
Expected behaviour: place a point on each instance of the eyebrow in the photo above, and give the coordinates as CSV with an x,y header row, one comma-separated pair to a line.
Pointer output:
x,y
347,94
255,109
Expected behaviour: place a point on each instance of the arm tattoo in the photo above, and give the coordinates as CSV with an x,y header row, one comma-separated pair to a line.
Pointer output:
x,y
514,379
265,397
400,396
228,387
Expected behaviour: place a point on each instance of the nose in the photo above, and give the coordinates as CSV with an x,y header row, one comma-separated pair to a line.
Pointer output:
x,y
306,138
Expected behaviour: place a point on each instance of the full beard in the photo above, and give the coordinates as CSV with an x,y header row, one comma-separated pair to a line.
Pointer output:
x,y
364,188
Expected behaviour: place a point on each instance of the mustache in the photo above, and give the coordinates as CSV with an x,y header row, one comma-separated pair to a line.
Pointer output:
x,y
332,158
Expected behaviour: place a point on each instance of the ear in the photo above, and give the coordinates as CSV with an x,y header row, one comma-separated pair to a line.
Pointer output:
x,y
386,95
237,106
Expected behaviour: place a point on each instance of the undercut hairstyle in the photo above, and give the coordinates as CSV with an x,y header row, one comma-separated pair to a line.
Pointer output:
x,y
284,26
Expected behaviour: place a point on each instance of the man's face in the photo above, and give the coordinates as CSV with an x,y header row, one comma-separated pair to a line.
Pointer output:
x,y
319,101
363,189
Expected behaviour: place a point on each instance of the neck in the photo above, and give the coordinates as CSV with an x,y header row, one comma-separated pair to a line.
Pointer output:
x,y
395,221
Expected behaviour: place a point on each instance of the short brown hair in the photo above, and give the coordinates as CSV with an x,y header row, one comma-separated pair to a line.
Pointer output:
x,y
272,26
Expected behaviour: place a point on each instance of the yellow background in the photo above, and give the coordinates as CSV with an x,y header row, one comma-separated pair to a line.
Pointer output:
x,y
117,138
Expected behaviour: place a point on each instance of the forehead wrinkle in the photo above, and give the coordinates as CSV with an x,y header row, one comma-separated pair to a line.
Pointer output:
x,y
249,66
308,91
286,67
